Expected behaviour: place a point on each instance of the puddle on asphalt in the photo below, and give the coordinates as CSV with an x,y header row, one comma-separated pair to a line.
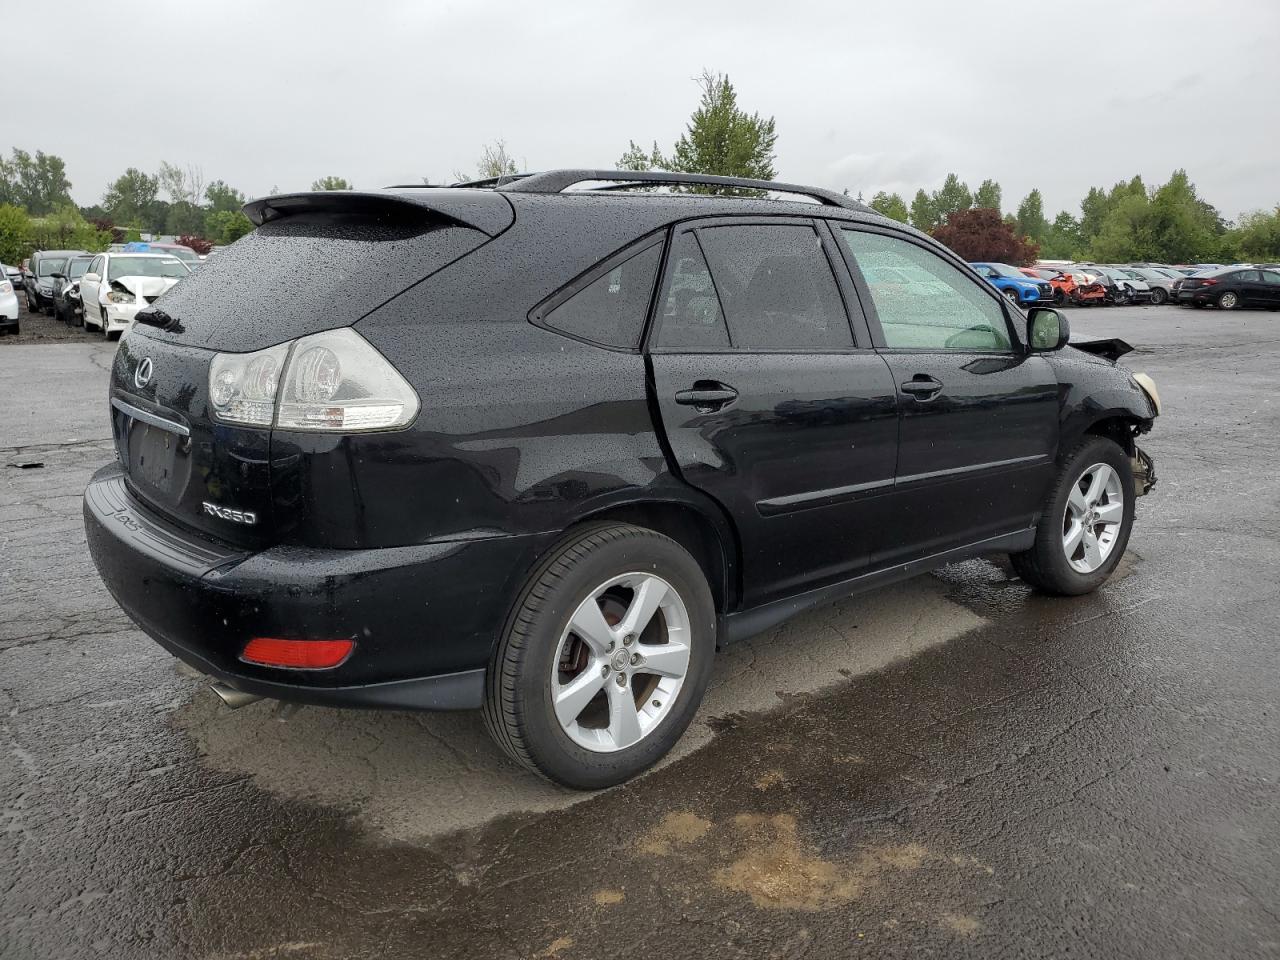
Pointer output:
x,y
412,776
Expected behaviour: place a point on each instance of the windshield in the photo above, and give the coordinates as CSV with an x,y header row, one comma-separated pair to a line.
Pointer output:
x,y
1004,270
46,267
78,268
146,267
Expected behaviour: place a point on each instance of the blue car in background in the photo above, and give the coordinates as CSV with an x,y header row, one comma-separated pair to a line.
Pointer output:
x,y
1015,284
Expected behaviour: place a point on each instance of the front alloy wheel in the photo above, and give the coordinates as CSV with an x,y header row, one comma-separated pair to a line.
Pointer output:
x,y
1092,519
1084,527
1011,295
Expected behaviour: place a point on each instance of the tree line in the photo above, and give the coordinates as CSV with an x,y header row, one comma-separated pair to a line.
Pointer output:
x,y
1168,223
1130,222
37,212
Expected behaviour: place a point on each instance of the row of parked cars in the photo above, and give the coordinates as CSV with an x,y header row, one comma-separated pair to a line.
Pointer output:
x,y
1092,284
99,290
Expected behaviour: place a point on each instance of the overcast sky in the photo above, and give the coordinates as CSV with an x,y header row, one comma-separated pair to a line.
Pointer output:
x,y
889,94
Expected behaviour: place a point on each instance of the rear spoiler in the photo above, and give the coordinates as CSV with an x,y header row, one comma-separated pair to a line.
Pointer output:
x,y
1112,349
482,210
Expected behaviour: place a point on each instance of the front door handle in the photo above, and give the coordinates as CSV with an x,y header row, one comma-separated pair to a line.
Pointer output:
x,y
922,387
707,395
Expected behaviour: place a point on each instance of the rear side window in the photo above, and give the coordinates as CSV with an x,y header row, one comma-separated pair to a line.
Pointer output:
x,y
691,318
610,310
776,287
1246,276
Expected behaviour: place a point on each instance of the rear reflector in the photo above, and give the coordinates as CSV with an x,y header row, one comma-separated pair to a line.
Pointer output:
x,y
297,654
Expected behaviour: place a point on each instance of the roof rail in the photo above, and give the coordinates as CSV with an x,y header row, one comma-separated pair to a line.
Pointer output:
x,y
556,181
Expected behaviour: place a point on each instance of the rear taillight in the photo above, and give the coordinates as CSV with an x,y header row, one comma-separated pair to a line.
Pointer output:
x,y
297,654
332,381
1207,283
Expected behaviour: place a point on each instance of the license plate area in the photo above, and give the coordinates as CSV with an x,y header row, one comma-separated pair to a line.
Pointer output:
x,y
156,454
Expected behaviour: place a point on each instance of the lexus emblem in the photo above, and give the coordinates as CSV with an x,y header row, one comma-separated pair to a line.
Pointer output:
x,y
142,376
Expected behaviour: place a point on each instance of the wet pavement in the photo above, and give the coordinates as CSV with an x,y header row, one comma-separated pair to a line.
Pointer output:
x,y
952,766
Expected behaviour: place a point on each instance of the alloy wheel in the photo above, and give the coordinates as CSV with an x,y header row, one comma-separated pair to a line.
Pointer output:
x,y
1228,301
1093,517
621,662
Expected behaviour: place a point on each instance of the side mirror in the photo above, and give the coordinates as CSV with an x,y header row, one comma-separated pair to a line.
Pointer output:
x,y
1047,329
58,276
91,277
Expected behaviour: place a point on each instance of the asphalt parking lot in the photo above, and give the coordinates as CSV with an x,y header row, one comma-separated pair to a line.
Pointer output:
x,y
954,766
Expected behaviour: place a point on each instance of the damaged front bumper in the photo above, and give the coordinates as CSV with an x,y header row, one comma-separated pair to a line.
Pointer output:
x,y
1144,472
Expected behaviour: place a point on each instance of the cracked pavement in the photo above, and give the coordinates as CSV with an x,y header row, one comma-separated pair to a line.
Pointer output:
x,y
952,766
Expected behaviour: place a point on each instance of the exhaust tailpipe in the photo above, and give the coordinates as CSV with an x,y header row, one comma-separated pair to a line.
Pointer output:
x,y
233,698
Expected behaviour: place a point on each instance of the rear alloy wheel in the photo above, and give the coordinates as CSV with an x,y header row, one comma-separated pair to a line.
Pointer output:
x,y
1085,526
1159,295
605,658
1228,300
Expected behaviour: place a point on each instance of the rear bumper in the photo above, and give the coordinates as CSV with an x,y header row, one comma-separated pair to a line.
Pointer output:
x,y
424,617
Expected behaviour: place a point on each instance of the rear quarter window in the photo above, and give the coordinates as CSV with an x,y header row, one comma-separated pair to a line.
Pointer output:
x,y
609,304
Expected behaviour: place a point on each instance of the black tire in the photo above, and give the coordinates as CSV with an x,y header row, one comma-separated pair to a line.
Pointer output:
x,y
1045,565
518,709
1011,295
1228,300
1159,296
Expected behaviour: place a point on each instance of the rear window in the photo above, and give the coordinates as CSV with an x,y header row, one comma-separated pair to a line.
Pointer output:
x,y
309,272
610,310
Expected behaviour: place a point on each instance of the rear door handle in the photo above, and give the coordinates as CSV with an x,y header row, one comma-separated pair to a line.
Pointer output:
x,y
707,395
922,387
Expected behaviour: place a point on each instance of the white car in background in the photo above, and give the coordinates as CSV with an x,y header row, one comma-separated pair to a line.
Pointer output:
x,y
8,303
117,285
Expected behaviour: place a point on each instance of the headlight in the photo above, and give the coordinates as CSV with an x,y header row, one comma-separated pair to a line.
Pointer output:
x,y
332,381
119,296
1148,386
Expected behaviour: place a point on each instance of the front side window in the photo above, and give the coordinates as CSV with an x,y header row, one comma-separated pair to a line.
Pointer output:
x,y
1269,277
691,317
776,287
937,307
610,310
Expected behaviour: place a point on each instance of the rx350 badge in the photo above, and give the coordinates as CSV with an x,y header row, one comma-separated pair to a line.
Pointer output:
x,y
247,517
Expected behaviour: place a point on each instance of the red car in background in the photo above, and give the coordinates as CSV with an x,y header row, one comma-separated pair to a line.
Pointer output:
x,y
1069,286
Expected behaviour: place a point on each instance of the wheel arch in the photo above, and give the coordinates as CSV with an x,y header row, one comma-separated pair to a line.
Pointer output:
x,y
702,530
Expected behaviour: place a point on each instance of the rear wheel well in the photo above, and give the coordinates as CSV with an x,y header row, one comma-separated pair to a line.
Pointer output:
x,y
688,527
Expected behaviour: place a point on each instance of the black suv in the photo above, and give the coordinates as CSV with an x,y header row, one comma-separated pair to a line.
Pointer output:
x,y
541,450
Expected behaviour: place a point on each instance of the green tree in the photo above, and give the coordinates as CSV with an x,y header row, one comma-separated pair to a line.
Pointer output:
x,y
226,226
1126,232
182,218
952,198
1063,240
724,140
331,183
495,161
1257,237
891,205
1031,221
223,198
1183,227
636,159
1094,210
182,184
37,182
987,196
923,214
16,243
131,199
65,229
